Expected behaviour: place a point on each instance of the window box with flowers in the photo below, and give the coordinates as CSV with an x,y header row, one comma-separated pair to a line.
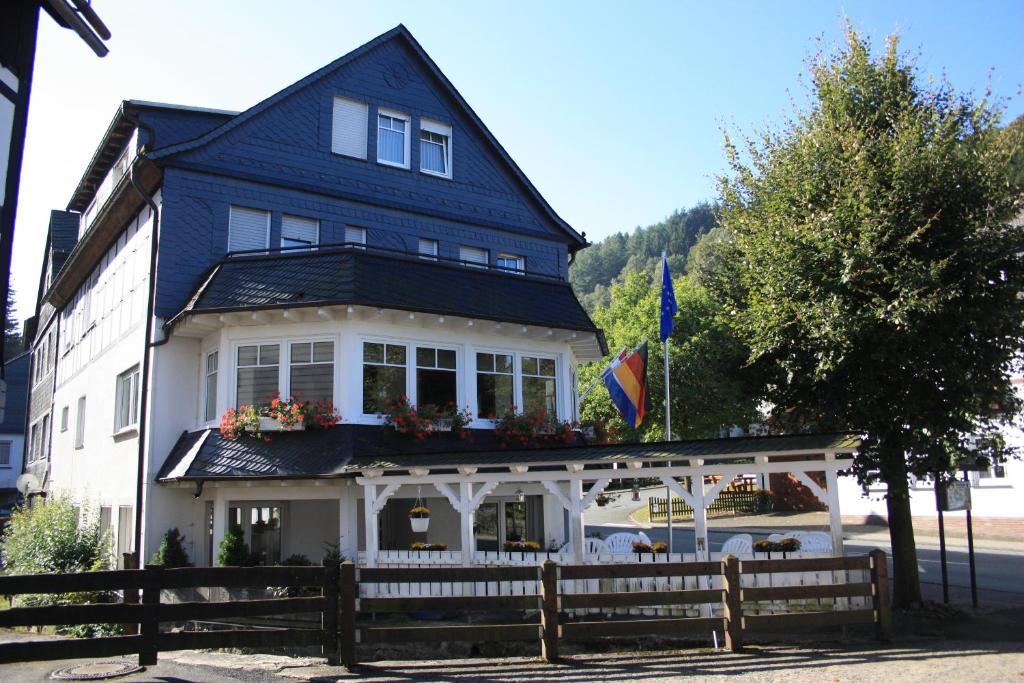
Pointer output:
x,y
280,415
784,546
422,421
658,547
532,428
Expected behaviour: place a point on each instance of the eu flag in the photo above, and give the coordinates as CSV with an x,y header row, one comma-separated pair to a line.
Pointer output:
x,y
668,299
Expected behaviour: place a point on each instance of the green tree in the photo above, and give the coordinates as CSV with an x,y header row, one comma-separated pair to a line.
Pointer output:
x,y
171,551
875,272
12,331
233,551
50,537
710,388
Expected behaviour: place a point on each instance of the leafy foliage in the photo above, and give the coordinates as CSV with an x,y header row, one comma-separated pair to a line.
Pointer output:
x,y
233,550
872,267
608,262
710,390
50,538
171,551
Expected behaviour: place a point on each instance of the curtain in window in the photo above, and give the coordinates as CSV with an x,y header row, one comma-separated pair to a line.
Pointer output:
x,y
391,140
432,156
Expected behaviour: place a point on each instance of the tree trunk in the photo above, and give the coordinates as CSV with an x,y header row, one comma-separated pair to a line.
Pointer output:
x,y
906,582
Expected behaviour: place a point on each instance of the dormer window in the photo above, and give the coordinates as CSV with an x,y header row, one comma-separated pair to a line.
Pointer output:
x,y
435,148
393,138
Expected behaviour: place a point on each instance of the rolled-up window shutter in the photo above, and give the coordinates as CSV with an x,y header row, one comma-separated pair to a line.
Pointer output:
x,y
249,229
473,255
355,235
348,134
299,229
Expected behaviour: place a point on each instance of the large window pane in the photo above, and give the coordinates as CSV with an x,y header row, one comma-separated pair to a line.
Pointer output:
x,y
494,390
312,371
435,377
257,374
539,385
211,385
383,375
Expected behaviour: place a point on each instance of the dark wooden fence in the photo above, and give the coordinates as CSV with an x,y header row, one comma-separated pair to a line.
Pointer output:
x,y
539,607
735,502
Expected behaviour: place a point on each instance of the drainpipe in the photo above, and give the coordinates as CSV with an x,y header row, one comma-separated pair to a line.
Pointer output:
x,y
154,242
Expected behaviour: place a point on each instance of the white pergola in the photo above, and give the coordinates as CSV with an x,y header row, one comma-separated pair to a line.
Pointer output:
x,y
565,472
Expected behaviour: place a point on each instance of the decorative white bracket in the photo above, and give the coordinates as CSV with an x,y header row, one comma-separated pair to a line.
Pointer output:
x,y
711,495
812,485
555,490
681,491
594,492
471,504
381,499
447,492
478,497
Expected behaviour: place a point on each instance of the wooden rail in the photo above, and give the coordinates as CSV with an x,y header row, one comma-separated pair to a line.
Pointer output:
x,y
536,596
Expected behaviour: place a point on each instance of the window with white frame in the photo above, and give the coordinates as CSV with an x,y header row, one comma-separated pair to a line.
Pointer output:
x,y
511,262
212,363
248,229
435,148
495,384
355,234
428,248
64,419
5,453
126,400
312,371
393,138
540,387
80,423
436,377
258,372
384,375
297,231
349,127
474,256
33,442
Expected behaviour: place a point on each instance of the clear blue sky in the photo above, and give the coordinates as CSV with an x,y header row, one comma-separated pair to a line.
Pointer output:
x,y
613,109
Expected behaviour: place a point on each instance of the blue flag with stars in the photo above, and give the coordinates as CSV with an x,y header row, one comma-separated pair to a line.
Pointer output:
x,y
668,299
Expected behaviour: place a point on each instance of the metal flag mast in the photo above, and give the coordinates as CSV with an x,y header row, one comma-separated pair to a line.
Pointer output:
x,y
668,312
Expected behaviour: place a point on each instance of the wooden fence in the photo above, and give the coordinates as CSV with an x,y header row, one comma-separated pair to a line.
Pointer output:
x,y
536,609
734,502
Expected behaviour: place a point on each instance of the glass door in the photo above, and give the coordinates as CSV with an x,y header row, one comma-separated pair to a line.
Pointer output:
x,y
486,527
260,524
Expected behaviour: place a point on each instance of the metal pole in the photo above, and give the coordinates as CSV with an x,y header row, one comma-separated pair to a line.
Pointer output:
x,y
668,437
970,552
942,541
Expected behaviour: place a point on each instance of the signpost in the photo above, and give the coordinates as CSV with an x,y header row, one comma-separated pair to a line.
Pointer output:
x,y
952,495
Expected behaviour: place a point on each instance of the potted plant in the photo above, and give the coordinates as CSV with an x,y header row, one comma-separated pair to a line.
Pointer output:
x,y
532,428
657,547
419,518
522,546
765,501
290,415
428,546
421,421
602,500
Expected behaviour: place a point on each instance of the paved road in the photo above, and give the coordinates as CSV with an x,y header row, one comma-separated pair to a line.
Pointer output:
x,y
999,572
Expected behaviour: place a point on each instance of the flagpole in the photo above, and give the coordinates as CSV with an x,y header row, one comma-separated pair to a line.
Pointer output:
x,y
668,437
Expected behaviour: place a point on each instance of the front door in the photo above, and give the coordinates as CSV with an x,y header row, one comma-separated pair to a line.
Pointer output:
x,y
260,524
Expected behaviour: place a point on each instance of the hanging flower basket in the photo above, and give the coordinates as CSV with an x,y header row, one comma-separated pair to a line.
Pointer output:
x,y
419,518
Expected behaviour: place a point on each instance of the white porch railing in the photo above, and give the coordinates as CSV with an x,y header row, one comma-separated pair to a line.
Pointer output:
x,y
411,558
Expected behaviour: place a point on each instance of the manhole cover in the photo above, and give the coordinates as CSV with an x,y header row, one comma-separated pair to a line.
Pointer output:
x,y
95,671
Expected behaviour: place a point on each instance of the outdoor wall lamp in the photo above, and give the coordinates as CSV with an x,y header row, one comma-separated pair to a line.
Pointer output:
x,y
520,496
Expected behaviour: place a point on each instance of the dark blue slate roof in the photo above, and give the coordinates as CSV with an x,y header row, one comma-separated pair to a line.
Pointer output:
x,y
349,448
358,276
16,374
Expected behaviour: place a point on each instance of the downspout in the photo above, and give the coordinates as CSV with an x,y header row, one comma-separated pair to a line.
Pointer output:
x,y
154,242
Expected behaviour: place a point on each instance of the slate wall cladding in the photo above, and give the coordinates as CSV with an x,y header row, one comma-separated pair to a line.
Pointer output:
x,y
194,230
173,126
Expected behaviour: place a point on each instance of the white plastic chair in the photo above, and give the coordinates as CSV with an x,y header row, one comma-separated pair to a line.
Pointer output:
x,y
816,542
644,537
622,542
740,545
591,546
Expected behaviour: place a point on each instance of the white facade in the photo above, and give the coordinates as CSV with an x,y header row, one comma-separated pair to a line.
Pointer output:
x,y
101,336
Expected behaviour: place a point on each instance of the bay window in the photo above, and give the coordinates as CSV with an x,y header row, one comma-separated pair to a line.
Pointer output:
x,y
495,391
312,371
258,366
436,376
384,375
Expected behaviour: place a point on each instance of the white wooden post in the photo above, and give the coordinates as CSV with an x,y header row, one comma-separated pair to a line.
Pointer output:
x,y
835,519
576,528
554,521
370,521
466,517
348,523
220,522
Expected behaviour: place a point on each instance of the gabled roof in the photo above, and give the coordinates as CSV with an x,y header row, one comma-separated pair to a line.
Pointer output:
x,y
400,32
350,448
369,277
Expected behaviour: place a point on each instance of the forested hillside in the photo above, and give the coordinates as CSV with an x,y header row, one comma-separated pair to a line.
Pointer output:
x,y
609,261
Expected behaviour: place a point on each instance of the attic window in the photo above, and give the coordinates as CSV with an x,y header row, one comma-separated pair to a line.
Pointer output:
x,y
348,133
393,138
435,148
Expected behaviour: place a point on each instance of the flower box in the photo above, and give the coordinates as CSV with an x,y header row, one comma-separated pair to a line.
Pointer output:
x,y
269,424
442,424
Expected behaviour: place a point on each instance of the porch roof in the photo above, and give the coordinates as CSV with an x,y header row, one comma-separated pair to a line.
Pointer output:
x,y
349,450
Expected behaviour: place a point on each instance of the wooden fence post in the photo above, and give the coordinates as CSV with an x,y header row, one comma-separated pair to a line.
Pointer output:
x,y
347,611
150,624
549,611
733,603
130,596
330,588
880,578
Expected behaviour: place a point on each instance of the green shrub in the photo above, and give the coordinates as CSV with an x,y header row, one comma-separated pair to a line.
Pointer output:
x,y
296,560
233,550
171,552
